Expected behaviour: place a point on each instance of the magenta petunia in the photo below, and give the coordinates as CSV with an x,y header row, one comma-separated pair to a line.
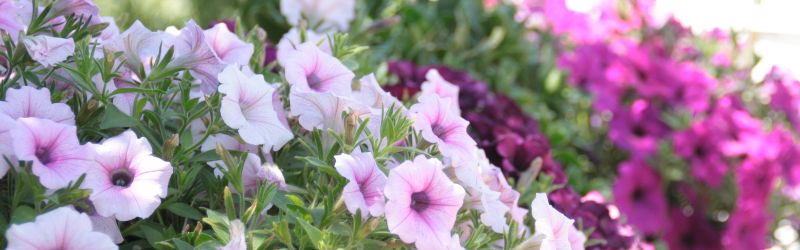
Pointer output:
x,y
364,190
699,145
637,128
638,194
31,102
422,203
57,155
308,68
62,228
127,181
228,47
440,124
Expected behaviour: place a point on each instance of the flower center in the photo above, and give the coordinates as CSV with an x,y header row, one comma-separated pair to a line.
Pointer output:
x,y
638,194
121,178
419,201
439,131
639,131
43,154
314,82
699,151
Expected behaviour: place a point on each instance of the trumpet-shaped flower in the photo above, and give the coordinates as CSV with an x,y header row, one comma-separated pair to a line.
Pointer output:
x,y
324,14
228,47
237,240
30,102
127,181
422,203
364,190
62,228
83,8
638,194
138,45
292,39
197,55
323,110
310,69
256,174
558,230
57,156
6,149
247,107
10,20
436,84
439,124
372,95
47,50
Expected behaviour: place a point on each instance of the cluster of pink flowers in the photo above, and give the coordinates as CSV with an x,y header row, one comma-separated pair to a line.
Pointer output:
x,y
511,139
641,83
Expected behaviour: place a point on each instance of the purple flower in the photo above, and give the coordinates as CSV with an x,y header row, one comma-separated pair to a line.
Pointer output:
x,y
691,232
699,146
638,193
57,155
637,128
364,189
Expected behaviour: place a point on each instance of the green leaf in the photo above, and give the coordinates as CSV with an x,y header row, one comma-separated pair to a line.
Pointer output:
x,y
182,245
23,214
184,210
314,234
114,118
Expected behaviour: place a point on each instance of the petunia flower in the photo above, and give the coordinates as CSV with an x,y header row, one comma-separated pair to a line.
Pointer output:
x,y
80,8
256,174
31,102
10,20
698,144
436,84
138,44
197,55
638,194
6,149
322,110
62,228
372,95
558,230
47,50
236,239
308,68
286,46
422,203
439,124
364,189
228,47
57,155
332,15
247,107
127,181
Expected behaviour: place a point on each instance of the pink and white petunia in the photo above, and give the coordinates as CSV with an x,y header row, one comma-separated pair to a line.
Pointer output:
x,y
236,239
372,95
436,84
422,203
57,155
364,190
256,174
286,46
323,110
80,8
558,230
247,107
31,102
127,181
334,15
62,228
309,69
10,20
6,149
138,44
47,50
440,124
228,47
196,54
